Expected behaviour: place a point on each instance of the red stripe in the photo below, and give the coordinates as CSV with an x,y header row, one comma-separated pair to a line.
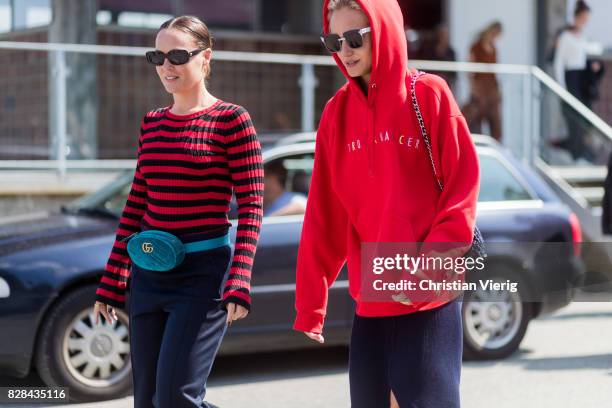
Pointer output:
x,y
180,138
188,196
187,210
189,183
238,270
112,282
176,156
193,122
110,295
240,295
123,272
173,170
187,224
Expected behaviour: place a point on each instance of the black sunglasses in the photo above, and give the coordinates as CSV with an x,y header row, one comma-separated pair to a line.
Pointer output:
x,y
354,39
176,57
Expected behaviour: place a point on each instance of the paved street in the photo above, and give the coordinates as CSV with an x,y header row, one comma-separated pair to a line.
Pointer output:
x,y
565,361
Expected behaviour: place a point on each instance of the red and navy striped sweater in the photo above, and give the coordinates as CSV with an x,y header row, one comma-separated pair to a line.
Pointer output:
x,y
187,168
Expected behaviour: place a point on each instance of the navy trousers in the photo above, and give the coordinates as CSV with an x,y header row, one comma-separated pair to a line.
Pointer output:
x,y
177,323
417,355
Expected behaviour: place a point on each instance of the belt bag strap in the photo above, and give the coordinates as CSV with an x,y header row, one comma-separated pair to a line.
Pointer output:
x,y
207,244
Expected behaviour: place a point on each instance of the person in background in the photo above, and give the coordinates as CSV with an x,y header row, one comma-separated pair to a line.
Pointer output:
x,y
277,200
485,100
439,49
575,73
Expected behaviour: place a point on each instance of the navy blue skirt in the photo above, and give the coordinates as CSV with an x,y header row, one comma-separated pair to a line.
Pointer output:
x,y
417,355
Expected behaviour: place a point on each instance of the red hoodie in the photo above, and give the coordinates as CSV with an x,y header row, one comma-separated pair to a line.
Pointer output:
x,y
372,179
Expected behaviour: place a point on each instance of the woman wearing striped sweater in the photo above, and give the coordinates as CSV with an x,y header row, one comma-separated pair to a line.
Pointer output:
x,y
191,156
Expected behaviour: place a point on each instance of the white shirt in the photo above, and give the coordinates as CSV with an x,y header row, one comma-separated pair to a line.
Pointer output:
x,y
571,54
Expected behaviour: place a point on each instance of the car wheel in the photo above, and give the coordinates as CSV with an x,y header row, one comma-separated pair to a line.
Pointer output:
x,y
494,322
93,361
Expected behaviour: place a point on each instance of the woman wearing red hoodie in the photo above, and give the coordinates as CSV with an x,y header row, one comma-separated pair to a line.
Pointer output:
x,y
373,182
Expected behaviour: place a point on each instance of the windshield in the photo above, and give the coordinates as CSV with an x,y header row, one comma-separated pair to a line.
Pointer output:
x,y
110,198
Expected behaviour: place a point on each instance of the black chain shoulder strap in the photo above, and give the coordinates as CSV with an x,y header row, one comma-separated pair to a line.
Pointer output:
x,y
478,248
417,110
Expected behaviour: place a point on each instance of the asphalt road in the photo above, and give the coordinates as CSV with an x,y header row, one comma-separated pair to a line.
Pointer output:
x,y
564,361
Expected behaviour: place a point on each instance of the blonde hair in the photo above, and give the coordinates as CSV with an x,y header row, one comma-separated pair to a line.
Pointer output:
x,y
334,5
196,28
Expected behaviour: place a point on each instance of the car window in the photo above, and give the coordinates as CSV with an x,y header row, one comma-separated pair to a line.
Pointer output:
x,y
111,197
290,176
299,172
498,183
116,203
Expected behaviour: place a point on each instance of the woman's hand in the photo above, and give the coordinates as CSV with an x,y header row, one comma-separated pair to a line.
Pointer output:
x,y
422,275
315,336
401,297
107,311
235,312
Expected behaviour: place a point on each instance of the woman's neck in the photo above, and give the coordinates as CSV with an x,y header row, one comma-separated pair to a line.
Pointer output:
x,y
192,101
575,29
364,82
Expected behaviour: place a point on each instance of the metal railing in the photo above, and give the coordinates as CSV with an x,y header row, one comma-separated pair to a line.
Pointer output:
x,y
524,90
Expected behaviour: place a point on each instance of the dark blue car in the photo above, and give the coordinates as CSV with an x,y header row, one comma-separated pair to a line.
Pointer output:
x,y
50,266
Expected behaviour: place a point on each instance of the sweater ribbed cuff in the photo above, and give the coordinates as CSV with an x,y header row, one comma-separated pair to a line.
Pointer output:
x,y
237,300
109,301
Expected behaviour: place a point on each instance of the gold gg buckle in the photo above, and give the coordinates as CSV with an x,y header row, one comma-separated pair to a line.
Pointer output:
x,y
147,247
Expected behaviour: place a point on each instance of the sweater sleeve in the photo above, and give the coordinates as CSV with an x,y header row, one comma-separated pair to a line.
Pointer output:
x,y
246,169
456,163
322,251
112,286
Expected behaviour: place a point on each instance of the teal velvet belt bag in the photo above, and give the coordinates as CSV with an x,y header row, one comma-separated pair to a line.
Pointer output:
x,y
162,251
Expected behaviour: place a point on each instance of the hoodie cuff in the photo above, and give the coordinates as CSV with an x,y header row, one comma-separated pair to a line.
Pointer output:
x,y
309,322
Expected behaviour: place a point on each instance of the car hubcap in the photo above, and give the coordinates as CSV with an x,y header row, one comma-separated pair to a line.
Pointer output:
x,y
97,355
492,318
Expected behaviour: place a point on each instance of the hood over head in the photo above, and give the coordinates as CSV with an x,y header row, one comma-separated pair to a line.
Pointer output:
x,y
389,45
